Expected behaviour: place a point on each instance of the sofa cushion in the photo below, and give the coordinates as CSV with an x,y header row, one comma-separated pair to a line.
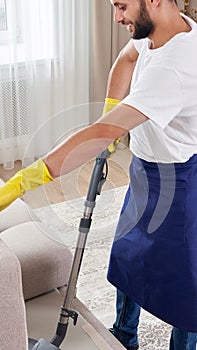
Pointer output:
x,y
13,330
15,214
45,263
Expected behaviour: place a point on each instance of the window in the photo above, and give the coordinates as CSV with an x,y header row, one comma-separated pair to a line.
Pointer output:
x,y
3,16
26,30
7,20
3,23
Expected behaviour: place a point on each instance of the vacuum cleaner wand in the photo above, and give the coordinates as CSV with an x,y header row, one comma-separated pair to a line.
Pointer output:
x,y
97,180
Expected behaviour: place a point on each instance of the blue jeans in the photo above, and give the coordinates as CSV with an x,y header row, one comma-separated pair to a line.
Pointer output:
x,y
127,320
126,324
181,340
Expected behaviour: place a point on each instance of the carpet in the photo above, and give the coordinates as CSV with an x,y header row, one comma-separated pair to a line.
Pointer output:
x,y
93,289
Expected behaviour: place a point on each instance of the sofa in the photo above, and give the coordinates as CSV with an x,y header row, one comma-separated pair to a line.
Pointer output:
x,y
31,264
35,268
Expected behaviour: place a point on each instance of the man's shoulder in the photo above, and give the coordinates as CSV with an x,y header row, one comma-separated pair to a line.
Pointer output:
x,y
140,43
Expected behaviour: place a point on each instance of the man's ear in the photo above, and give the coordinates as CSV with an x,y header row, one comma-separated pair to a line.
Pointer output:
x,y
154,3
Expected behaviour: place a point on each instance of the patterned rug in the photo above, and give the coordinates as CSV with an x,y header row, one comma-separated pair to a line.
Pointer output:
x,y
93,289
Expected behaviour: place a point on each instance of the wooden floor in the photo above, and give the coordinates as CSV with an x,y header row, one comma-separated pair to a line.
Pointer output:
x,y
75,184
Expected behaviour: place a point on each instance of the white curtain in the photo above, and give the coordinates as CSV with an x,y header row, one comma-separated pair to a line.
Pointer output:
x,y
44,75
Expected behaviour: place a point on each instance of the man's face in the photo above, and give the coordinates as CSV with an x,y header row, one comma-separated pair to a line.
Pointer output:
x,y
134,14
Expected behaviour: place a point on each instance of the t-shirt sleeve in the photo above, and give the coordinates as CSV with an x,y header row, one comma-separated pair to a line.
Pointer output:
x,y
157,94
139,43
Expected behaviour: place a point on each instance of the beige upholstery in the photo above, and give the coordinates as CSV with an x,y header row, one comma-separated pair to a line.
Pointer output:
x,y
45,263
12,311
27,250
17,213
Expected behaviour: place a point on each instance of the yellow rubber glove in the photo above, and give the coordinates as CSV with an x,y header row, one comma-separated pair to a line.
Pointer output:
x,y
110,103
26,179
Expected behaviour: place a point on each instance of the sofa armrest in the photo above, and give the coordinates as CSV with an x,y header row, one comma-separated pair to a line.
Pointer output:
x,y
17,213
13,329
45,263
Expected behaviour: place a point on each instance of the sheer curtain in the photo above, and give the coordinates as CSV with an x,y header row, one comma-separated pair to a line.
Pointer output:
x,y
44,75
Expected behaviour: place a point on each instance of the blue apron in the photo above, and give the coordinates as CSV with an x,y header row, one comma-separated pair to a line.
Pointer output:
x,y
154,254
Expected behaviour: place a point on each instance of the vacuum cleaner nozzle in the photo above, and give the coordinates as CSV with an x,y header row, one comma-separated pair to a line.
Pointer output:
x,y
43,344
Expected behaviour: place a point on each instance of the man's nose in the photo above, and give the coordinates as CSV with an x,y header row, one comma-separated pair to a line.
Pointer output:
x,y
118,17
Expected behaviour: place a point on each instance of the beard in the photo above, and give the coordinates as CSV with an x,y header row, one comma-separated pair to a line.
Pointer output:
x,y
143,26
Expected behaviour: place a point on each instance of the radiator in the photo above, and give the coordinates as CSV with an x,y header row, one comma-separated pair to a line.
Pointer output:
x,y
14,109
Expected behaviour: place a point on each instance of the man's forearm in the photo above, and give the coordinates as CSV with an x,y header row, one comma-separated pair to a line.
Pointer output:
x,y
81,147
87,143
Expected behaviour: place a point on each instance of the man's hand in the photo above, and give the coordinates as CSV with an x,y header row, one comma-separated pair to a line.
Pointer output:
x,y
24,180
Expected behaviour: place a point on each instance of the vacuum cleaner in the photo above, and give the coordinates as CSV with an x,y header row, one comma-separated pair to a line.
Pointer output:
x,y
98,178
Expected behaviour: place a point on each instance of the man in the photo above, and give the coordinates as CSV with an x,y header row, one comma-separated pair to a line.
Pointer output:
x,y
153,260
142,24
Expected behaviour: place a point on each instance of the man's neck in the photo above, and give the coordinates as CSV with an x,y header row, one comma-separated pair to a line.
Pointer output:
x,y
167,29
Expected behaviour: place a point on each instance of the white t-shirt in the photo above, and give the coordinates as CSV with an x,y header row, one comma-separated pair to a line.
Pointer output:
x,y
164,88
